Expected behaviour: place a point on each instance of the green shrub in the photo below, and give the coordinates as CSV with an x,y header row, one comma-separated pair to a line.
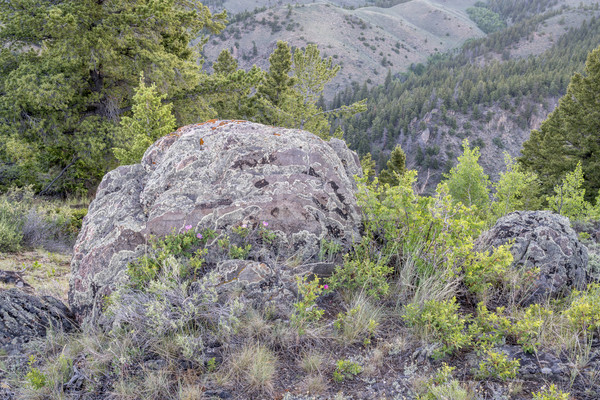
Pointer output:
x,y
497,365
584,311
440,320
488,329
186,247
526,328
306,311
362,271
346,369
485,270
550,393
239,252
35,377
14,206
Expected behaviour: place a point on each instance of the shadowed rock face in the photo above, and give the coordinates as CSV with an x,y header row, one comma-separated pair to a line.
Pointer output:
x,y
216,175
546,241
24,317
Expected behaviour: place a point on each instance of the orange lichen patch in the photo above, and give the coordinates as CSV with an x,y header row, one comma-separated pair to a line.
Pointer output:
x,y
201,141
277,134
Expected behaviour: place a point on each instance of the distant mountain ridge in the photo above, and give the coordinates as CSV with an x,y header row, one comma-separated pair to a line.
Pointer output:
x,y
366,41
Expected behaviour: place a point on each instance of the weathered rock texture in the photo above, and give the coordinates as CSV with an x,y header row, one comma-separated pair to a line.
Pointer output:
x,y
546,241
24,317
216,175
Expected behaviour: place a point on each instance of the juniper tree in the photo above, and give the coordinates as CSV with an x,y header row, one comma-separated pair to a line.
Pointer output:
x,y
396,166
67,73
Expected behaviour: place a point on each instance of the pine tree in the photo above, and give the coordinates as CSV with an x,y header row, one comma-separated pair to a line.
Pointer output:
x,y
570,134
67,73
225,64
467,182
278,83
368,166
396,167
150,121
291,90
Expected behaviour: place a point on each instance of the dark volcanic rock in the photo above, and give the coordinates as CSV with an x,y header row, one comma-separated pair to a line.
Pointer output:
x,y
218,175
24,317
546,241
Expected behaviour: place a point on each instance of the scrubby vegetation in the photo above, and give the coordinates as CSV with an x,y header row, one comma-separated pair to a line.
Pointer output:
x,y
415,293
415,280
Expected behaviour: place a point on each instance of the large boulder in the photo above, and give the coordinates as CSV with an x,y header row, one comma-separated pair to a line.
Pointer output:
x,y
541,239
24,317
217,175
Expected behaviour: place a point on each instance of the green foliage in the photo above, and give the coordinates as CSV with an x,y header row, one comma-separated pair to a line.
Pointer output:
x,y
584,311
497,365
368,166
568,136
346,370
292,101
441,386
489,329
67,73
527,327
485,270
487,20
277,83
239,252
306,311
550,393
150,121
35,377
569,196
363,271
404,220
12,215
441,321
396,167
515,190
328,249
467,182
186,247
226,64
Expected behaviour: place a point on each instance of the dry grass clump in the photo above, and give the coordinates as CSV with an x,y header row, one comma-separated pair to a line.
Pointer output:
x,y
312,361
253,368
360,321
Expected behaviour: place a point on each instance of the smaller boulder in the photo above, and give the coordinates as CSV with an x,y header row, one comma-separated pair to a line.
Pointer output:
x,y
541,239
24,317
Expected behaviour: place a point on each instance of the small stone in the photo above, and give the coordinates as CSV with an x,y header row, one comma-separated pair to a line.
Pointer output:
x,y
546,371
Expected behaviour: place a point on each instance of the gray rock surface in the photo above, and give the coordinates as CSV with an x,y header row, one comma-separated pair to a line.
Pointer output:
x,y
24,317
217,175
544,240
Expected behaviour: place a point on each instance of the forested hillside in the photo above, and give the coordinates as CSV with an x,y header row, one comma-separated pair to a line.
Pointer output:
x,y
494,91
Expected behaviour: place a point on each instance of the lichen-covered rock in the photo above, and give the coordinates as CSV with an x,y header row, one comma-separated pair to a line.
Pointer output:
x,y
24,317
217,175
546,241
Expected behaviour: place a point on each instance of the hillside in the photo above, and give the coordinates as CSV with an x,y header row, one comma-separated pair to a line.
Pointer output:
x,y
493,93
365,41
